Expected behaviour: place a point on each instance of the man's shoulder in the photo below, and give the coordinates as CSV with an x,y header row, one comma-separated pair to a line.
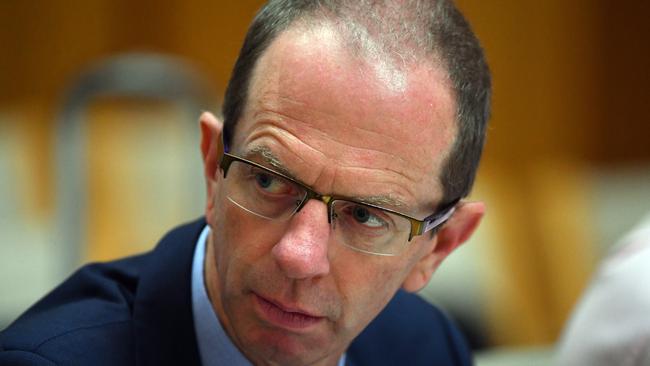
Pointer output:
x,y
92,307
92,317
411,331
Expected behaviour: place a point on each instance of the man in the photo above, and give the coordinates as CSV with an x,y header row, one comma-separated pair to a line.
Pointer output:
x,y
351,132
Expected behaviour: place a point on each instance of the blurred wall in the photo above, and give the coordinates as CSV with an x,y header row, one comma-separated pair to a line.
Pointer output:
x,y
569,102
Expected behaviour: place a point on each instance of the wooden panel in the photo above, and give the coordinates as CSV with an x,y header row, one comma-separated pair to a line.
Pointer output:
x,y
546,78
49,42
624,123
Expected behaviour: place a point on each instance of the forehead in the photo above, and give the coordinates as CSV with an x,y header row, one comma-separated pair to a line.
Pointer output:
x,y
331,113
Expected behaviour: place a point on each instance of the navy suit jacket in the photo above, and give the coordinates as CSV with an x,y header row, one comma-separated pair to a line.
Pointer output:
x,y
138,311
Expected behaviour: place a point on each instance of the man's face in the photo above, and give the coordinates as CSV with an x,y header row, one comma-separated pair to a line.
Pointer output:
x,y
285,292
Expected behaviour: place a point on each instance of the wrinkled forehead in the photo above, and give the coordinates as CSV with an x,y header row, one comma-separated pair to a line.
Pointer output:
x,y
369,78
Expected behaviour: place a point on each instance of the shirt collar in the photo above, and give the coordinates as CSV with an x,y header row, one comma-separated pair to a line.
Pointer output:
x,y
215,347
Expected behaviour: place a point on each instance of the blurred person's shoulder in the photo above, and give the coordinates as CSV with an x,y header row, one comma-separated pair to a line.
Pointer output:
x,y
631,253
610,324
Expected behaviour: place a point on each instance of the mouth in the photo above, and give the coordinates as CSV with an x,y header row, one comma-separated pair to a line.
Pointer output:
x,y
285,316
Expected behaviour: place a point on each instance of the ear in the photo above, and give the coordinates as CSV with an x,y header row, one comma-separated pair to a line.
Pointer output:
x,y
452,234
211,150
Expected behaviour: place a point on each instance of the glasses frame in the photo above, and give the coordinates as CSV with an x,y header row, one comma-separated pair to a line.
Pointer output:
x,y
418,227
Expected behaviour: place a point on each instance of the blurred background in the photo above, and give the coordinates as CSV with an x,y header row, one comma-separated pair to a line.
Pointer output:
x,y
99,102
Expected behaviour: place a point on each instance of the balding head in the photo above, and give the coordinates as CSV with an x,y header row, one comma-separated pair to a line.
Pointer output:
x,y
392,35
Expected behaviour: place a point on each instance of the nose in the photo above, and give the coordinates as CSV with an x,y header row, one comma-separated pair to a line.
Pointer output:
x,y
302,252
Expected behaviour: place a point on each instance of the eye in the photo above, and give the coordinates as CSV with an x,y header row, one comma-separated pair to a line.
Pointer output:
x,y
367,217
272,184
264,180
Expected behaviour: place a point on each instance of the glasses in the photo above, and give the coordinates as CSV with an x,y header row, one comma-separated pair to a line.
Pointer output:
x,y
360,226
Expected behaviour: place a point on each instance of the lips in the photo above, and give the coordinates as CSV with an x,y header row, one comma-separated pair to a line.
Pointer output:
x,y
285,316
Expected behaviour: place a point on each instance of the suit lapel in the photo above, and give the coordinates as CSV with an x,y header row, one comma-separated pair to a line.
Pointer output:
x,y
162,311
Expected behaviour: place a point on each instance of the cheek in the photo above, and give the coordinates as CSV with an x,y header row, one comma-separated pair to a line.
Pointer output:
x,y
245,236
242,241
369,283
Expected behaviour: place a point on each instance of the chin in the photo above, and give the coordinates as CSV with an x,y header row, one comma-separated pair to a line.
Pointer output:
x,y
271,348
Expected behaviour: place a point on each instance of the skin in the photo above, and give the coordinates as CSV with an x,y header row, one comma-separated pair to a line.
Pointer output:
x,y
339,128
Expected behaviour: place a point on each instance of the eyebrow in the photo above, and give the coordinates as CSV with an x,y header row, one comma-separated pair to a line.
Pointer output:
x,y
381,201
270,158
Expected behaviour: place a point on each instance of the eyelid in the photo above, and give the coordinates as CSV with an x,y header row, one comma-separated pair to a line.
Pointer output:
x,y
277,171
384,215
278,179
